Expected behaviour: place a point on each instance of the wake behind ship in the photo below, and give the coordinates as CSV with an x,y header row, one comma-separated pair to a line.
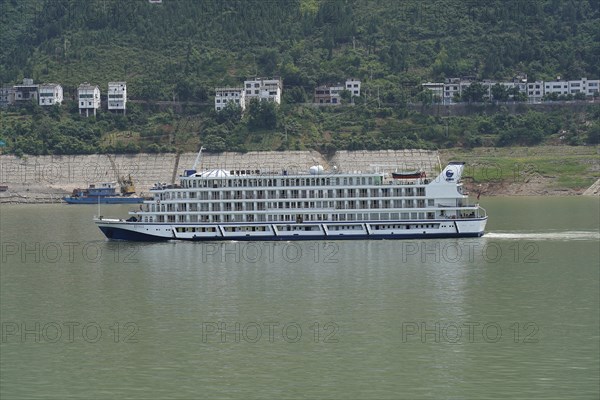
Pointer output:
x,y
255,205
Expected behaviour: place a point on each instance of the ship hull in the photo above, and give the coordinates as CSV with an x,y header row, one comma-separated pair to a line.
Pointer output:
x,y
375,230
103,200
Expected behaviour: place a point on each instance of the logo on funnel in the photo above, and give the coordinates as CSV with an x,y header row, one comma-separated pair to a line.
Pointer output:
x,y
449,175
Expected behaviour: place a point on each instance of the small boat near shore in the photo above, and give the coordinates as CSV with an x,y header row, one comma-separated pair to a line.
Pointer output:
x,y
106,193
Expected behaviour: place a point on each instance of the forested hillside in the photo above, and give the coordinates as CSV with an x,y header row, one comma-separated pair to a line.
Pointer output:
x,y
192,45
182,49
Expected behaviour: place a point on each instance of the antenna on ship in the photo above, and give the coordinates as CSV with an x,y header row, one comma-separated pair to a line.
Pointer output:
x,y
198,158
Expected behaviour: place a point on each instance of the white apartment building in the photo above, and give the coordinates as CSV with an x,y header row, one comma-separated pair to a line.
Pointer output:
x,y
88,98
585,86
588,87
593,87
263,89
535,91
558,87
50,94
353,86
452,88
226,94
117,96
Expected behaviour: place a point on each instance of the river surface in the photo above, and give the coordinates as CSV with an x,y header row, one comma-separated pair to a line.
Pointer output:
x,y
514,314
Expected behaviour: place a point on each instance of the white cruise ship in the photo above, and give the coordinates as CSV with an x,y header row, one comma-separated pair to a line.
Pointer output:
x,y
255,205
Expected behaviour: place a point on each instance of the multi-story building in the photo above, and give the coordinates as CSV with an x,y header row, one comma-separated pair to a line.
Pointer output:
x,y
88,98
593,88
535,91
7,96
585,86
559,87
117,96
331,94
353,86
589,88
50,94
227,94
263,89
452,89
328,94
26,92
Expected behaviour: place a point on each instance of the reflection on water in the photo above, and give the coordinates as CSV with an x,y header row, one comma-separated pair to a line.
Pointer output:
x,y
514,314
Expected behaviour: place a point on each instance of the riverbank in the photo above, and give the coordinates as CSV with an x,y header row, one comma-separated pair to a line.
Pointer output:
x,y
529,171
517,171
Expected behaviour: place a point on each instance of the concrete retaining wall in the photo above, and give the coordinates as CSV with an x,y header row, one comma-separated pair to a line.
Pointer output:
x,y
47,178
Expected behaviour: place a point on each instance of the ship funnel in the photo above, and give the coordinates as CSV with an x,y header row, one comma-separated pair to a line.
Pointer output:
x,y
451,174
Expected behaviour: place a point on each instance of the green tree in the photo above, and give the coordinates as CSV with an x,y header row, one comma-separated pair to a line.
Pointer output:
x,y
499,92
232,113
262,115
475,92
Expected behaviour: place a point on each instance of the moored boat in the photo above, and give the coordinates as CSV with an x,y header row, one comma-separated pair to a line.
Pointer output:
x,y
103,193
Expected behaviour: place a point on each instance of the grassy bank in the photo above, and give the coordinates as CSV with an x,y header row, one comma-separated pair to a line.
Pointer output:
x,y
519,170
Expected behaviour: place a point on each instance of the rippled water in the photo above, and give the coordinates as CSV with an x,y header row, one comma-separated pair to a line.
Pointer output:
x,y
514,314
